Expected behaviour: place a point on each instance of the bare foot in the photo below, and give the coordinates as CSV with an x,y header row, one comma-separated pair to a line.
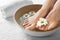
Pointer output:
x,y
53,18
30,23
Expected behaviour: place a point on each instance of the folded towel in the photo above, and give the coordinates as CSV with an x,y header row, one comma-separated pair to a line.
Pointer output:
x,y
38,1
8,10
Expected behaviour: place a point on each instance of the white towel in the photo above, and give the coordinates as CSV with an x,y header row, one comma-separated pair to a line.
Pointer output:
x,y
8,10
38,1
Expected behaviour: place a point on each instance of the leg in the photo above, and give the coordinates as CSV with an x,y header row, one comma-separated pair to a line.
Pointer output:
x,y
53,17
41,13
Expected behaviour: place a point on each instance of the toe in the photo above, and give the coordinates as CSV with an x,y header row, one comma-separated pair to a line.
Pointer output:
x,y
46,28
25,22
42,28
28,25
31,27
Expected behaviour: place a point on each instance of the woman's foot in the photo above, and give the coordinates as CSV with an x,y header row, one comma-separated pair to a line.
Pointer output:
x,y
53,18
41,13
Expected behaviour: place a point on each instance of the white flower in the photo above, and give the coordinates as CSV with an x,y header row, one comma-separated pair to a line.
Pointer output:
x,y
31,13
26,16
42,21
